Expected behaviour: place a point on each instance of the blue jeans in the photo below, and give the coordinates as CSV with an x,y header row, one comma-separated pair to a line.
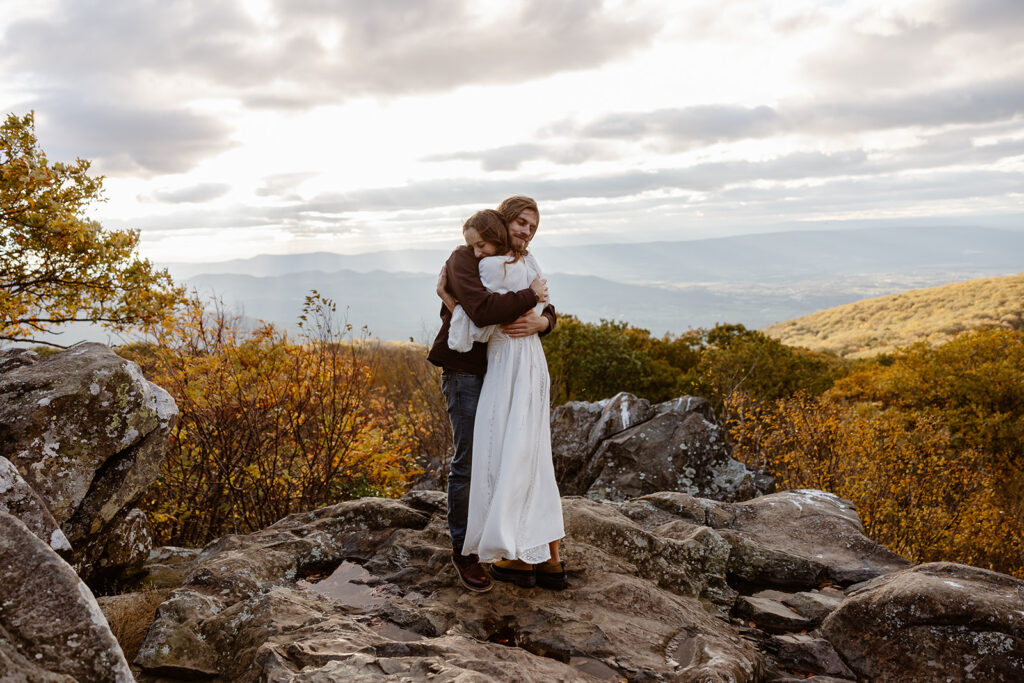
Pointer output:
x,y
461,391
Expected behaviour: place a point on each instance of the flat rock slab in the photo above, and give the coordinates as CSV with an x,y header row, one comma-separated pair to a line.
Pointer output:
x,y
813,605
932,622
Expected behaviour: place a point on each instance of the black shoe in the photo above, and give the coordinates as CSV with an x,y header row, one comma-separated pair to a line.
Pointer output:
x,y
524,578
552,580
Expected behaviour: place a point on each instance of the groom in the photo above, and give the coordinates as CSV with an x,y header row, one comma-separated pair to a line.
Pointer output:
x,y
463,373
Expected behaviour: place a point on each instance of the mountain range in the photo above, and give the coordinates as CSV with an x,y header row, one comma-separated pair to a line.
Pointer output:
x,y
756,280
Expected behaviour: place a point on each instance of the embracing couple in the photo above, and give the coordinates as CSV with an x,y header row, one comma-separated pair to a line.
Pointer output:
x,y
503,501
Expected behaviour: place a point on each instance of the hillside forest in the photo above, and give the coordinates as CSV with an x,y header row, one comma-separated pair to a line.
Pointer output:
x,y
924,439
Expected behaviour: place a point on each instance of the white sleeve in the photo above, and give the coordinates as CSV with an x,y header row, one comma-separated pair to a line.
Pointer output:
x,y
462,331
534,267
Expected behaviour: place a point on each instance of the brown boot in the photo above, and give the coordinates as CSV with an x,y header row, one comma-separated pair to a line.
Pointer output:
x,y
471,573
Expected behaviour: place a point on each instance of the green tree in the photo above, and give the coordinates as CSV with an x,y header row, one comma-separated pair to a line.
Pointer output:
x,y
590,361
56,265
736,359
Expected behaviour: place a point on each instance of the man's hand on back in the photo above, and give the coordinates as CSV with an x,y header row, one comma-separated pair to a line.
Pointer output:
x,y
528,323
442,289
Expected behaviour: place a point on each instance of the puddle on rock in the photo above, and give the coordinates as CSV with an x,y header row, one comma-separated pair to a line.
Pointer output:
x,y
684,652
346,585
595,668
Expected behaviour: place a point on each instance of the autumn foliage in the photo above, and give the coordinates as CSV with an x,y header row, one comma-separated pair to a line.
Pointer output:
x,y
271,425
915,493
927,443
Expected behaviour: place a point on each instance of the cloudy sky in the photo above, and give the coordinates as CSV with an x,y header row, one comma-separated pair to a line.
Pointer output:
x,y
228,128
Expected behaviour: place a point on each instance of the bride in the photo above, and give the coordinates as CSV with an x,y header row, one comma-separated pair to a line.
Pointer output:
x,y
515,512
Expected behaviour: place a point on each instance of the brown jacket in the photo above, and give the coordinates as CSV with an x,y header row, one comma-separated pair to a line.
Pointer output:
x,y
482,307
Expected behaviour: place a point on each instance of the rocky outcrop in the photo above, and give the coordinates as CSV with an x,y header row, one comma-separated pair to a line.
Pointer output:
x,y
51,628
935,621
656,591
87,433
624,447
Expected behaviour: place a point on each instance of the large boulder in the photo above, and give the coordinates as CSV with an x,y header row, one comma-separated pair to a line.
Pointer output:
x,y
639,606
624,447
51,628
937,621
87,432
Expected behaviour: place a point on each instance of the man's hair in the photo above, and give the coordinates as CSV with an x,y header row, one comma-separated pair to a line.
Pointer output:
x,y
492,228
513,206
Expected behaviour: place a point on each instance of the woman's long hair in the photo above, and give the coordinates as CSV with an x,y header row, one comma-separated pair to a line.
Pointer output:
x,y
492,229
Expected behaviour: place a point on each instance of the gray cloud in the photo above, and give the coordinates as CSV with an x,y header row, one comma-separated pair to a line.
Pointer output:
x,y
938,169
959,36
895,193
99,62
953,148
687,127
569,142
511,157
751,206
194,194
507,158
126,138
482,191
703,124
393,47
1003,17
981,102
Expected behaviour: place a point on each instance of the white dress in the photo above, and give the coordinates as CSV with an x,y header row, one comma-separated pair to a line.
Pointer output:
x,y
514,506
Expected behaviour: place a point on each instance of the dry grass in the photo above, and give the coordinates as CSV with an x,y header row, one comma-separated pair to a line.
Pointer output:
x,y
935,315
130,616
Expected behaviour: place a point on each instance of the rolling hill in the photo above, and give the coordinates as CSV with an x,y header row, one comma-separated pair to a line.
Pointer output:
x,y
934,315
